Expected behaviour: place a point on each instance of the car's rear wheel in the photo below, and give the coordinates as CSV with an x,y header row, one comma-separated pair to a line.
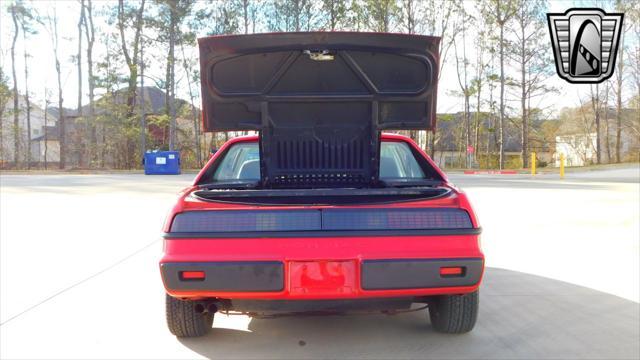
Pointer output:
x,y
454,314
187,318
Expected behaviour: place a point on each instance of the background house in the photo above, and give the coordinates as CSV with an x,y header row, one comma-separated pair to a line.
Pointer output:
x,y
109,138
450,144
38,118
577,137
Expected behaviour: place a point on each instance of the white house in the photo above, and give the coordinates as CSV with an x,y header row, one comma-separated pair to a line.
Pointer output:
x,y
37,116
578,149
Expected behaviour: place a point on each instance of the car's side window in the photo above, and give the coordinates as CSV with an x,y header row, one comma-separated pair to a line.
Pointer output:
x,y
398,162
241,162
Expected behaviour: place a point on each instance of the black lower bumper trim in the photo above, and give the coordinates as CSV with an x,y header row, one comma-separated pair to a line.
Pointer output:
x,y
303,306
226,276
418,273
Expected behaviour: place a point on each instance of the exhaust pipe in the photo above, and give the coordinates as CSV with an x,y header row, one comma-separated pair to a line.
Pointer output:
x,y
206,307
212,308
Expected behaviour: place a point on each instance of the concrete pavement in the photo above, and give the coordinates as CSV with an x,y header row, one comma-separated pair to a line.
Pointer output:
x,y
79,278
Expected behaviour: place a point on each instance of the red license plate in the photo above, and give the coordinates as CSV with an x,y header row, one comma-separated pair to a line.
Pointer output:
x,y
322,277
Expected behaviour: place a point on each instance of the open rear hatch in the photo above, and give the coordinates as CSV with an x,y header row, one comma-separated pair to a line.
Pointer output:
x,y
319,100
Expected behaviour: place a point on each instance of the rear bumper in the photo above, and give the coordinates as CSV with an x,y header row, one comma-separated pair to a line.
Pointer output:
x,y
321,268
322,276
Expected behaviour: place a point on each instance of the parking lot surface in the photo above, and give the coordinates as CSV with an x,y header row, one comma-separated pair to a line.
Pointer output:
x,y
79,276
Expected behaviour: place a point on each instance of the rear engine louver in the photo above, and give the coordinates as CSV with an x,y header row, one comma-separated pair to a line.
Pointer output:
x,y
320,220
316,162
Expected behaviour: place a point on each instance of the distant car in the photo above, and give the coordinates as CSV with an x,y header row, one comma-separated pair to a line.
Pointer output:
x,y
322,212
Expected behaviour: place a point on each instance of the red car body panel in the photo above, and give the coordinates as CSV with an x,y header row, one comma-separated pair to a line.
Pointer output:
x,y
332,264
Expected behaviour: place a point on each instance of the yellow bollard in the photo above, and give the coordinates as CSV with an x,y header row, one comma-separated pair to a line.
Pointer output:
x,y
533,163
561,166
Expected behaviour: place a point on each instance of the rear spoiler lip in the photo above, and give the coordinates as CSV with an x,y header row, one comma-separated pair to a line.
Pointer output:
x,y
375,33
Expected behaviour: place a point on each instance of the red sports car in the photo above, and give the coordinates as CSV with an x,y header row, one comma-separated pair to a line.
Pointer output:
x,y
321,212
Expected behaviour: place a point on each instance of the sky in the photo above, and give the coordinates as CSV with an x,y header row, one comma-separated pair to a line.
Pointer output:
x,y
42,73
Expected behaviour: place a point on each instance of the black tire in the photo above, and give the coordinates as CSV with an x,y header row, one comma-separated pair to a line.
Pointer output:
x,y
184,320
454,314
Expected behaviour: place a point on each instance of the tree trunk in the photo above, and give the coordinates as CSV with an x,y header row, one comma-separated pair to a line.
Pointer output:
x,y
245,15
296,13
595,100
171,73
491,117
61,120
619,81
90,37
196,128
606,123
467,116
46,144
523,104
16,103
143,120
476,135
131,58
26,97
62,134
501,123
79,58
82,140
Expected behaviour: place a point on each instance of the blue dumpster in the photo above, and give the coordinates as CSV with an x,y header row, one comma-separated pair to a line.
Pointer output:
x,y
162,163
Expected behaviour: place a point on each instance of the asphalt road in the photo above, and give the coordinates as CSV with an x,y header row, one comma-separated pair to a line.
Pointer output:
x,y
79,277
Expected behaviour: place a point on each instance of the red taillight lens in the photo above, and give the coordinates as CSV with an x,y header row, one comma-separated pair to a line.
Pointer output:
x,y
192,275
452,271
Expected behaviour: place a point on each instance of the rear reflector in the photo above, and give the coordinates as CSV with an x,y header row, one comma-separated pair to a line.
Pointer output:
x,y
192,275
451,271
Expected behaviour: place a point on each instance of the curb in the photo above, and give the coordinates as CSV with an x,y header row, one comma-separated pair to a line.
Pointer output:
x,y
491,172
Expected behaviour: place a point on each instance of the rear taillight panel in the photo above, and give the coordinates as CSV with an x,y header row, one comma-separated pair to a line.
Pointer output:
x,y
321,219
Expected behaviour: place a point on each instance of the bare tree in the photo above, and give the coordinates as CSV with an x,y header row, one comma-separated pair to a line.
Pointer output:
x,y
52,28
25,18
90,34
607,134
196,127
46,130
500,12
380,14
16,109
624,7
143,118
335,12
5,95
81,20
245,16
438,19
634,60
478,83
596,105
463,79
409,11
131,57
528,50
171,86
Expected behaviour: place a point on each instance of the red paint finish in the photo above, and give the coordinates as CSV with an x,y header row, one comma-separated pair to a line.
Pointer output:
x,y
324,268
